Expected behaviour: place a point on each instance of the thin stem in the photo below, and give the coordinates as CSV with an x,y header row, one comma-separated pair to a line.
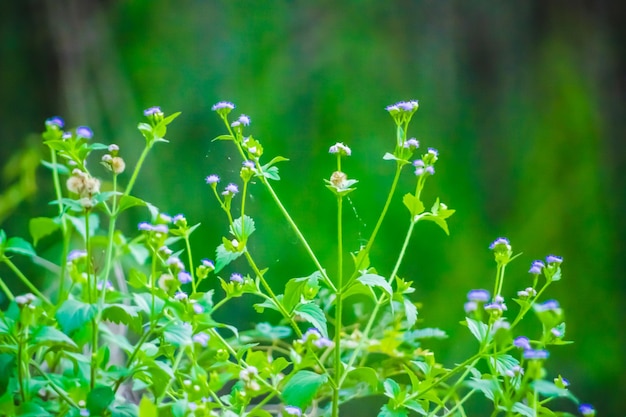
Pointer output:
x,y
60,391
25,280
109,253
190,259
338,306
175,365
140,162
64,229
6,290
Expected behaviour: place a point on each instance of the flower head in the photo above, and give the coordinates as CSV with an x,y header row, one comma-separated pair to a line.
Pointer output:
x,y
587,410
55,121
522,342
223,108
201,338
341,149
152,111
552,259
235,277
411,144
291,410
184,277
212,179
478,295
244,120
230,190
536,354
84,132
536,268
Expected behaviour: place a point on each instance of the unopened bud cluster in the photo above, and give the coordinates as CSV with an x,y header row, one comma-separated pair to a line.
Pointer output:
x,y
84,185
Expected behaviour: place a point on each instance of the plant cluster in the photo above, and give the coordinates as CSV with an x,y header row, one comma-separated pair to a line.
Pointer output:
x,y
131,330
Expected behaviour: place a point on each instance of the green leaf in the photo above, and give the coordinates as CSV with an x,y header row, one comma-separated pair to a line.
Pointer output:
x,y
178,333
302,387
121,313
438,220
19,246
385,411
49,336
128,201
296,288
373,280
41,227
224,137
73,315
426,333
358,288
31,409
392,389
478,328
389,157
99,399
549,389
415,406
80,224
137,279
271,173
147,408
60,168
414,204
169,119
248,228
365,374
503,362
223,257
410,311
487,386
314,315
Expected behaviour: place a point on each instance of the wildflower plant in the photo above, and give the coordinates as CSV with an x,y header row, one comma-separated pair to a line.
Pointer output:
x,y
61,353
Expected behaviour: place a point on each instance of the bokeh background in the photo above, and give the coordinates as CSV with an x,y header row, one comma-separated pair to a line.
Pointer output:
x,y
524,100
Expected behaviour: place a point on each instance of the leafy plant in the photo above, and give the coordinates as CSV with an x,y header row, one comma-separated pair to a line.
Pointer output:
x,y
130,331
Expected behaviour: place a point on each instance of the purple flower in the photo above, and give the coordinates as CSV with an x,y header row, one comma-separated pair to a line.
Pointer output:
x,y
231,189
55,121
433,152
536,268
418,163
500,243
419,172
244,120
470,306
180,296
184,277
212,179
160,228
341,149
223,106
550,305
201,338
84,132
106,286
208,263
552,259
248,164
76,254
293,411
152,111
179,218
411,144
522,342
235,277
147,227
538,354
478,295
587,410
198,309
430,170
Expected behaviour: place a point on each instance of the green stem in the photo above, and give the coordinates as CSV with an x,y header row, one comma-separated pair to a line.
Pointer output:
x,y
175,365
140,162
25,280
64,229
380,300
60,391
6,290
190,259
364,252
338,307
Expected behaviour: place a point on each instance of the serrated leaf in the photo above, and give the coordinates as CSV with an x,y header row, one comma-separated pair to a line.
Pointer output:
x,y
46,336
248,228
40,227
295,289
413,203
73,315
128,201
121,313
385,411
99,399
314,315
487,386
410,311
223,257
302,388
478,328
271,173
503,362
19,246
178,333
392,389
415,406
373,280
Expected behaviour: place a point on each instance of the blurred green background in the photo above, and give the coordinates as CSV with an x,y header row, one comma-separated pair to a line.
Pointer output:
x,y
524,101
